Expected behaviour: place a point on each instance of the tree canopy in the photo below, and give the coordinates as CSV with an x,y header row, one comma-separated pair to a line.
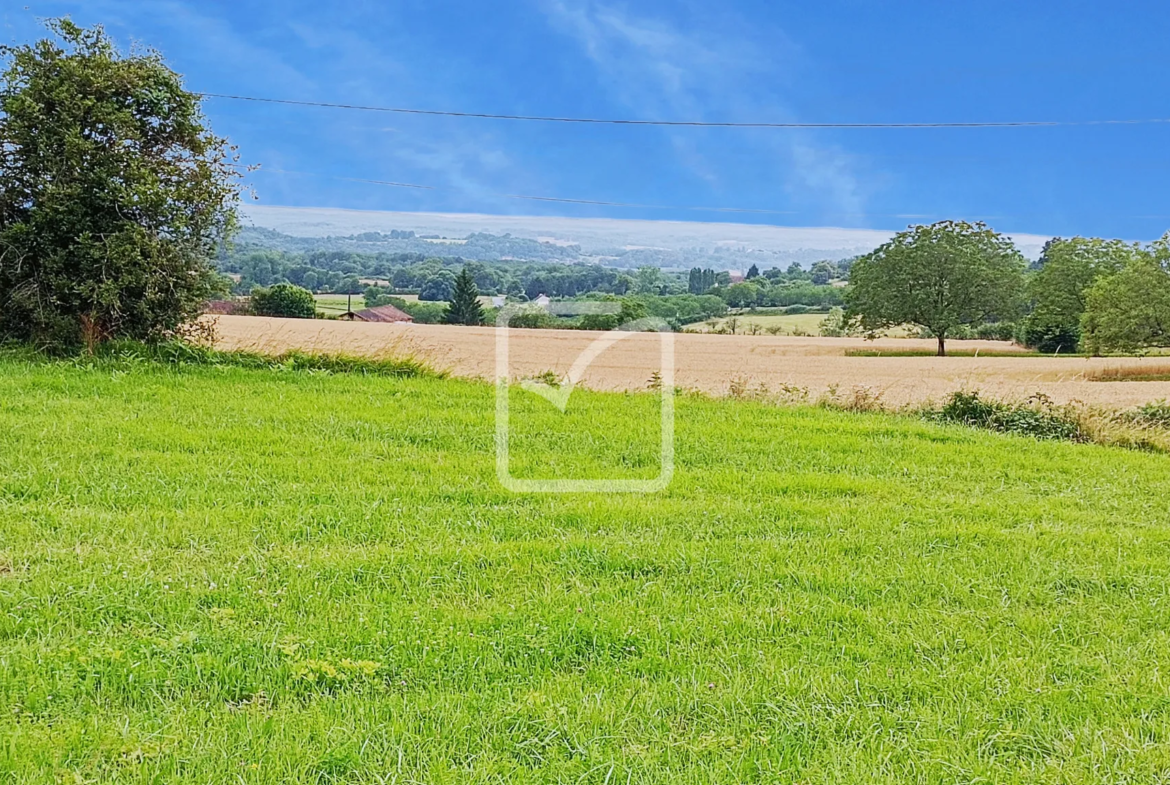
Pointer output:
x,y
114,194
1130,310
1067,268
939,276
284,299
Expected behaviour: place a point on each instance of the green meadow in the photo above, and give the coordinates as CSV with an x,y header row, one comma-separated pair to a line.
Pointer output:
x,y
217,574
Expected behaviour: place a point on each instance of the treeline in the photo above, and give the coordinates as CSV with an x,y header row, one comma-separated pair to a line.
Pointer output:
x,y
433,278
955,279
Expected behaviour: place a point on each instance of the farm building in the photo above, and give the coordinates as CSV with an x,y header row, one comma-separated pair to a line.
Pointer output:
x,y
383,313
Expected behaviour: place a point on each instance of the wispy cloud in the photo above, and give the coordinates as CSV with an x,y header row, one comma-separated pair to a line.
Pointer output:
x,y
659,70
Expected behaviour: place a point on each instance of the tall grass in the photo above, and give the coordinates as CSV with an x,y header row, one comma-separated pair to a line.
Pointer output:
x,y
186,354
1154,372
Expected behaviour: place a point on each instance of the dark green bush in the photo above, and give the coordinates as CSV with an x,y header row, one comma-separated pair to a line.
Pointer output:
x,y
598,321
998,331
1051,339
1037,417
532,318
284,299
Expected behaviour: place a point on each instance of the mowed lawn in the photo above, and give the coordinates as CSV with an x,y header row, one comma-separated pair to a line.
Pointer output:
x,y
224,575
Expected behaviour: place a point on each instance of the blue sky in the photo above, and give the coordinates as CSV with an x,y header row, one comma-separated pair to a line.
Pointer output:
x,y
727,60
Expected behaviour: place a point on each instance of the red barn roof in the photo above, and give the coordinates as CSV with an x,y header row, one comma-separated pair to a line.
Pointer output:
x,y
383,313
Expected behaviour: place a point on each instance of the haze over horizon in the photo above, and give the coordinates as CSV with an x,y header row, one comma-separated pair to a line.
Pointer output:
x,y
592,234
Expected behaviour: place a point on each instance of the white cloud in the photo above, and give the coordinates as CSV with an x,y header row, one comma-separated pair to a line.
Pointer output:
x,y
660,71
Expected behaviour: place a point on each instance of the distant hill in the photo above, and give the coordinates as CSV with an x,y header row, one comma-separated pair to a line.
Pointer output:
x,y
613,242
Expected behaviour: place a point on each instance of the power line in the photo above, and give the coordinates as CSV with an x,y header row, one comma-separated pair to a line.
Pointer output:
x,y
685,123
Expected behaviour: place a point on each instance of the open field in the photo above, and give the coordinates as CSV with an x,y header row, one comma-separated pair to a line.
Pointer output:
x,y
335,304
484,299
714,363
223,575
790,324
786,324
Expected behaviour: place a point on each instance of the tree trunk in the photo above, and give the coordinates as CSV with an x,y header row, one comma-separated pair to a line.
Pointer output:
x,y
942,346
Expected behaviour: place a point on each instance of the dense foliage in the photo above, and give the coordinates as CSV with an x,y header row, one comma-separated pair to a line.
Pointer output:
x,y
1130,310
1067,268
284,299
114,195
941,277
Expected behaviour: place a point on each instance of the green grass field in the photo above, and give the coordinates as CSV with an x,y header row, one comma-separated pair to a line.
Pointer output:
x,y
780,324
224,575
335,304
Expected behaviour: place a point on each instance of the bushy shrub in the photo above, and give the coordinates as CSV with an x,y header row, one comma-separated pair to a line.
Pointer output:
x,y
996,331
284,299
422,313
598,321
1037,417
1155,414
1050,338
835,325
532,318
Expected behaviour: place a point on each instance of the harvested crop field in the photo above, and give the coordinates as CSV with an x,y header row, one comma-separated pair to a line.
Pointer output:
x,y
717,364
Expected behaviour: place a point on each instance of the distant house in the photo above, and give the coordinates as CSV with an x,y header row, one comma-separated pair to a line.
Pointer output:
x,y
383,313
498,301
542,301
736,277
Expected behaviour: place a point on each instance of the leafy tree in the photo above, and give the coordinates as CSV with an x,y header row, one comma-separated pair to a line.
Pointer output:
x,y
464,307
835,325
310,281
823,272
376,295
741,295
284,299
114,195
632,310
1130,310
348,285
940,277
649,280
438,287
1067,268
753,272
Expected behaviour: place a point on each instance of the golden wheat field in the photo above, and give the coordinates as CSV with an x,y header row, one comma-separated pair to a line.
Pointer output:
x,y
717,364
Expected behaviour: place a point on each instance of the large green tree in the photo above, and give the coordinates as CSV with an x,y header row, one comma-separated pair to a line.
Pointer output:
x,y
1130,310
1068,267
940,277
464,307
114,195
